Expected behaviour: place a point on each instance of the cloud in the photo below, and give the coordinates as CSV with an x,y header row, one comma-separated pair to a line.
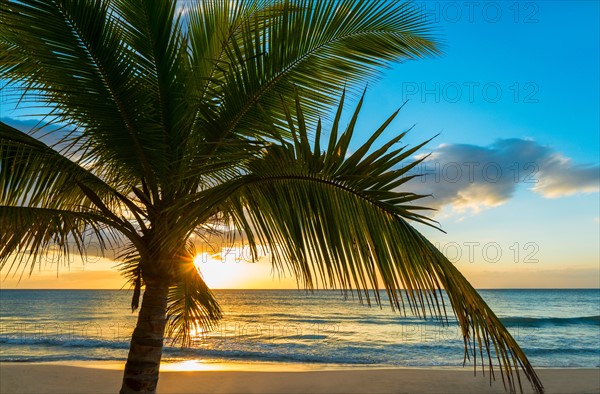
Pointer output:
x,y
23,125
49,134
561,177
472,178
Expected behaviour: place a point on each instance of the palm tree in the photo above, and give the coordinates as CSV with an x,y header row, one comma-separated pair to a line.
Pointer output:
x,y
174,116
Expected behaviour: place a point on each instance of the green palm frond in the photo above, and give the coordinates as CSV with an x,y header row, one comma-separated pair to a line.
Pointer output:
x,y
303,49
34,174
192,307
317,47
340,219
156,33
75,56
294,194
27,234
47,199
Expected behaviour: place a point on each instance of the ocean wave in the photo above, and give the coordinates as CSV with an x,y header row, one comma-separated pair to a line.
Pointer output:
x,y
565,353
69,343
58,357
550,321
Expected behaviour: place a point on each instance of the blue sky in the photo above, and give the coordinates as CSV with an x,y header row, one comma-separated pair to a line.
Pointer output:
x,y
551,59
517,89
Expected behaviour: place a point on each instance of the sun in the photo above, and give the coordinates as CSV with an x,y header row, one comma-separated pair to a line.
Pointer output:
x,y
226,270
200,258
217,274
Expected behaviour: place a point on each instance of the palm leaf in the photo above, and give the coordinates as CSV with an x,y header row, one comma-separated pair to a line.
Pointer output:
x,y
36,174
75,56
47,199
33,175
26,235
334,222
192,307
316,47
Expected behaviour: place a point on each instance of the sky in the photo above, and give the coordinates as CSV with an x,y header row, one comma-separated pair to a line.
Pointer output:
x,y
514,173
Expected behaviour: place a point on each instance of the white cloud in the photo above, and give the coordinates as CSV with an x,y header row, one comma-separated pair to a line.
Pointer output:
x,y
472,178
559,177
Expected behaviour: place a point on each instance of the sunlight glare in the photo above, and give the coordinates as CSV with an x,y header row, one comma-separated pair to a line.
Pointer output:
x,y
218,274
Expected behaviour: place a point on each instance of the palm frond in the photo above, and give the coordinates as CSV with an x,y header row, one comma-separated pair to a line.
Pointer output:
x,y
48,201
75,56
317,47
157,34
192,307
340,220
45,201
34,174
27,234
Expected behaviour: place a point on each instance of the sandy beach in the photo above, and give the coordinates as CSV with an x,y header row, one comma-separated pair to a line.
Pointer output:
x,y
64,379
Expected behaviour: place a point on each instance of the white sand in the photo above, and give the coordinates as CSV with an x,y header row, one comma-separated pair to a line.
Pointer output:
x,y
65,379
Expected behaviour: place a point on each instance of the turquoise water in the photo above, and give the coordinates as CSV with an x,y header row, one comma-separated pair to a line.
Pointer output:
x,y
556,328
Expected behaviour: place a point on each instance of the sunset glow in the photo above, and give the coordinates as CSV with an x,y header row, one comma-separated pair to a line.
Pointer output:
x,y
217,273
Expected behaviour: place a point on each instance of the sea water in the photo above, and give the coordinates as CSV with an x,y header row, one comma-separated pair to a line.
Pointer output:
x,y
555,328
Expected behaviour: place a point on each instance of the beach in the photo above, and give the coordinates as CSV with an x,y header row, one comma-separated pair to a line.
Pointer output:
x,y
93,378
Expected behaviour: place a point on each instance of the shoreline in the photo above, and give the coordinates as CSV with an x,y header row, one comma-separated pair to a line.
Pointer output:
x,y
196,365
105,377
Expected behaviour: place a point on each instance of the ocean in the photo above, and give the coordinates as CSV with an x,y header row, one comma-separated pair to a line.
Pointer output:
x,y
556,328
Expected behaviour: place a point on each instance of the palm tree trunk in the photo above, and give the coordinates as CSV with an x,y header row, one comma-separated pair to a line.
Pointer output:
x,y
145,351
